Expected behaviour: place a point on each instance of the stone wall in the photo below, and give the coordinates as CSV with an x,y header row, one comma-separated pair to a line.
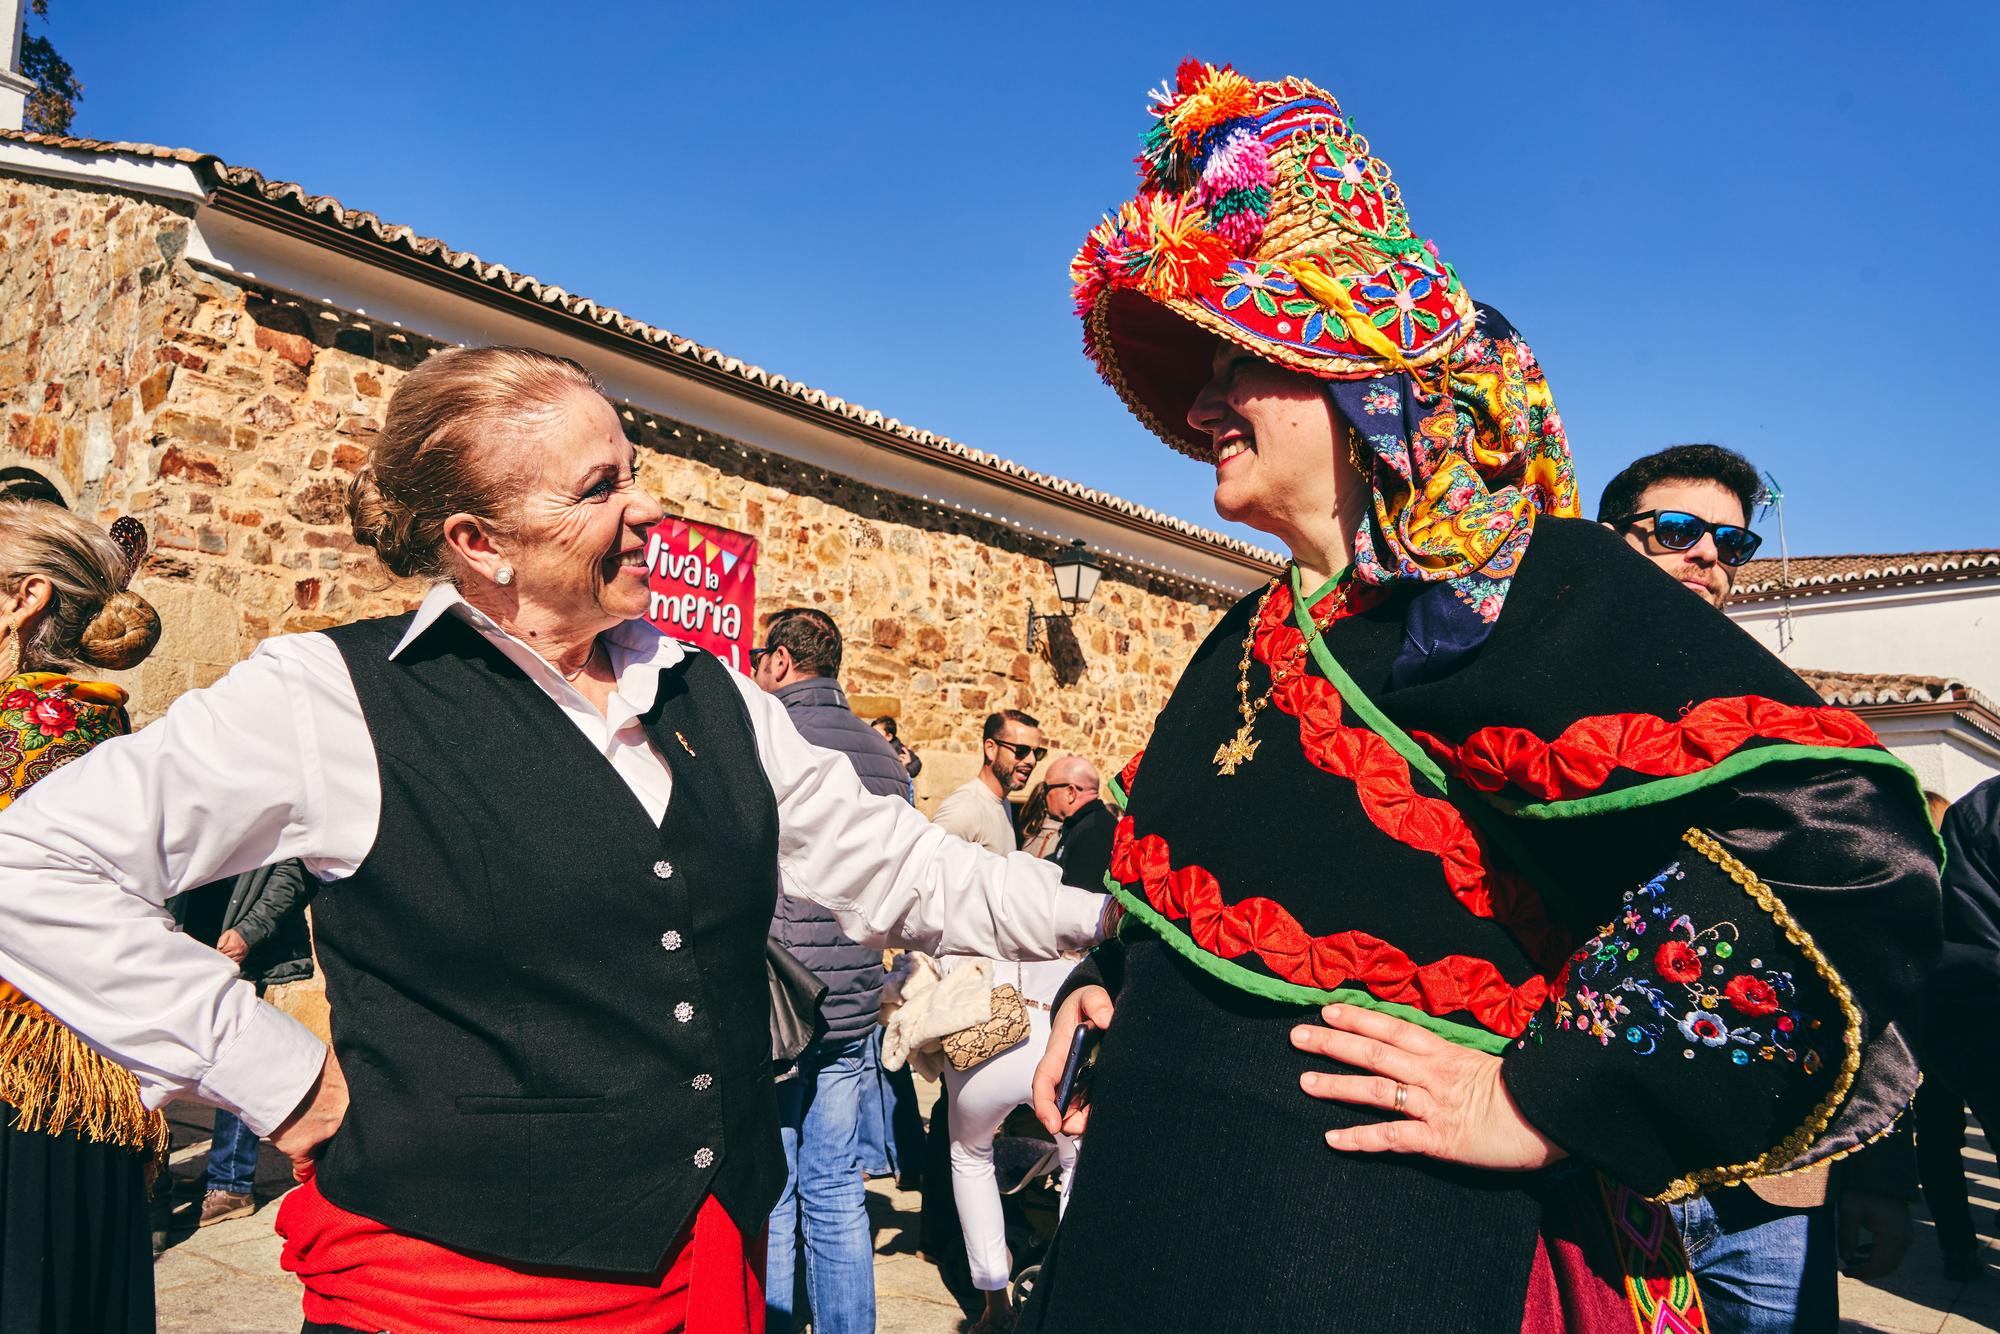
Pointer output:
x,y
229,419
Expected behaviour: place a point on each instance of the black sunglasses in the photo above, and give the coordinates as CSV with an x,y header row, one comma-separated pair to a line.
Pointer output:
x,y
1678,530
1039,752
758,655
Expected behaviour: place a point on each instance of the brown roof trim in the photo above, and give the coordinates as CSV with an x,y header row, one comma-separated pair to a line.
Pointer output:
x,y
1975,713
518,297
322,221
1819,575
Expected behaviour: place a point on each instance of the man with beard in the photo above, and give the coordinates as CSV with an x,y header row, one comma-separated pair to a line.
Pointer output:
x,y
977,812
1764,1255
1687,509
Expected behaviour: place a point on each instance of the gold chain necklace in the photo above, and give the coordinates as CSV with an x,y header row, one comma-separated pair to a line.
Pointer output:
x,y
1238,751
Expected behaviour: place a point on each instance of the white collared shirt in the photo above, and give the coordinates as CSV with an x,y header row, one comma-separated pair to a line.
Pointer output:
x,y
275,761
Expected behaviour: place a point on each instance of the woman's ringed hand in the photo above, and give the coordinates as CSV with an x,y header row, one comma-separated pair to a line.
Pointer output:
x,y
1454,1105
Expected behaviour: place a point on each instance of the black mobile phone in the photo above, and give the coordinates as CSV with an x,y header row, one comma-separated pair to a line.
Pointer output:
x,y
1073,1090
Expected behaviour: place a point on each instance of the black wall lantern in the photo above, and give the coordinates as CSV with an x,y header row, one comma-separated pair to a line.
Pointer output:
x,y
1076,572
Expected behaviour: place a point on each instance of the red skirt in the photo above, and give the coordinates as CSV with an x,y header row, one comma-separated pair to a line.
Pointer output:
x,y
363,1274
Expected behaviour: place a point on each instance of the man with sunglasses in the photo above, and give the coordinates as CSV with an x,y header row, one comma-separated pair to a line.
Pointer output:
x,y
1687,509
1764,1256
977,812
1083,849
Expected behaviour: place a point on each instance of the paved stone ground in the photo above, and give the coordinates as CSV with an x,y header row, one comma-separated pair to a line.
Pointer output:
x,y
225,1279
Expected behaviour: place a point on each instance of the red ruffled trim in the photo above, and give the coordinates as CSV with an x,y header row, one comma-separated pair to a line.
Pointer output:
x,y
1382,781
1454,984
1129,772
1589,750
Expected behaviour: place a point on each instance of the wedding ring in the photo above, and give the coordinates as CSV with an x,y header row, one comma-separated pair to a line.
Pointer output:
x,y
1402,1096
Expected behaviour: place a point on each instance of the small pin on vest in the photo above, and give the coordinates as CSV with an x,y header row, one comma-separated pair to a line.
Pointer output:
x,y
684,743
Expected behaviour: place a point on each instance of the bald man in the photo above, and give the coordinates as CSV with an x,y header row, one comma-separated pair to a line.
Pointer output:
x,y
1083,850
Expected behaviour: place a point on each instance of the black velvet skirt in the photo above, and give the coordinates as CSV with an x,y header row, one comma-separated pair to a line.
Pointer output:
x,y
75,1235
1206,1201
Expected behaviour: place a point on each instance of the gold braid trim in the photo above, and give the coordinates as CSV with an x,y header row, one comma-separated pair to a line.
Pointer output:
x,y
58,1085
1774,1161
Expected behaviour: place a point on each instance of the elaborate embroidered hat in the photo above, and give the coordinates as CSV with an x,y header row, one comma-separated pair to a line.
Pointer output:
x,y
1264,219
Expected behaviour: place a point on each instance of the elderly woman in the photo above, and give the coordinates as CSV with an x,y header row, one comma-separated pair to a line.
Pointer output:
x,y
1484,886
551,841
76,1140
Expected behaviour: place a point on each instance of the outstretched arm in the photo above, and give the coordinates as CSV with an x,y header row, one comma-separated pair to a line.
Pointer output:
x,y
892,877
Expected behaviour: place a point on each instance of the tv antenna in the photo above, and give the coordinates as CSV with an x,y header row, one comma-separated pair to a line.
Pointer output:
x,y
1773,502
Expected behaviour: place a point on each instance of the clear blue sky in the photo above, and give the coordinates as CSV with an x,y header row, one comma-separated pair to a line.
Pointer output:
x,y
1766,224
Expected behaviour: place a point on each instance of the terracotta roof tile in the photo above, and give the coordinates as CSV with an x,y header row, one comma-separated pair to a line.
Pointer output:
x,y
292,196
119,148
1763,579
1849,689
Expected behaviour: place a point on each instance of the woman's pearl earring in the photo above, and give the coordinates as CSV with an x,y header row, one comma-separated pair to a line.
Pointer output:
x,y
505,575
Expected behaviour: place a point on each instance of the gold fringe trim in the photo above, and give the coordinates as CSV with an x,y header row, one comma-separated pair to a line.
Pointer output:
x,y
57,1085
1772,1162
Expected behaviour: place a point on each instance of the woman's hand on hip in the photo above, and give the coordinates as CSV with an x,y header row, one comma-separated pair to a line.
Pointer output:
x,y
1091,1005
314,1120
1455,1107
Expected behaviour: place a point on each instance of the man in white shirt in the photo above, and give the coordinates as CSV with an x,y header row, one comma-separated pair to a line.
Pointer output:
x,y
978,812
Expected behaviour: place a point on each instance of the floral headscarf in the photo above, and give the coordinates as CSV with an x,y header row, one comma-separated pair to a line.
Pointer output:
x,y
1457,478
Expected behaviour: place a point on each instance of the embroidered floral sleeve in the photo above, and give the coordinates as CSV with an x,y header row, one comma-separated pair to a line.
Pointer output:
x,y
1699,1037
1658,983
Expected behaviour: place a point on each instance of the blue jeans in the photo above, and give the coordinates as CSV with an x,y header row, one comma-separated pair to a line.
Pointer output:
x,y
819,1113
232,1155
1761,1268
892,1131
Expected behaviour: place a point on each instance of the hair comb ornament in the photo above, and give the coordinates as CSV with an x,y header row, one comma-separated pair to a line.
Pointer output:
x,y
130,535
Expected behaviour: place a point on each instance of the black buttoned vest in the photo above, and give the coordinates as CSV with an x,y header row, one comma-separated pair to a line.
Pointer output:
x,y
552,1015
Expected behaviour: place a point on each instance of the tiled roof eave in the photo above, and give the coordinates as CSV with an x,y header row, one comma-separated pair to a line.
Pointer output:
x,y
1975,711
431,262
324,221
1865,573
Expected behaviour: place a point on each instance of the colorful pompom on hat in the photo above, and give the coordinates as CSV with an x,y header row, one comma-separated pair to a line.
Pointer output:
x,y
1264,219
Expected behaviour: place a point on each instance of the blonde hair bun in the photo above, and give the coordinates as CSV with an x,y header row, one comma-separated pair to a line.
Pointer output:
x,y
121,634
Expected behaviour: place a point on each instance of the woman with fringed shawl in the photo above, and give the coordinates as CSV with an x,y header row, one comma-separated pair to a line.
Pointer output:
x,y
1485,890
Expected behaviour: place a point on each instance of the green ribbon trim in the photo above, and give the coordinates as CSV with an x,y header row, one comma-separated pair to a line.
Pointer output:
x,y
1679,785
1272,988
1468,803
1476,804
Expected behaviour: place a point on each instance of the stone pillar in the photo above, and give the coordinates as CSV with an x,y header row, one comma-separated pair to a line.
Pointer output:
x,y
14,89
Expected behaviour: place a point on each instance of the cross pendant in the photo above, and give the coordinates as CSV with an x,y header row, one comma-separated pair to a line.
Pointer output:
x,y
1236,751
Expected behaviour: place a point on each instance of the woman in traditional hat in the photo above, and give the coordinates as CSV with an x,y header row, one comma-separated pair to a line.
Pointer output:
x,y
551,841
1483,886
76,1141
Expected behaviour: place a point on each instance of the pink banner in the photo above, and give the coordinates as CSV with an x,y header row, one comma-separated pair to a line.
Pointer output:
x,y
704,587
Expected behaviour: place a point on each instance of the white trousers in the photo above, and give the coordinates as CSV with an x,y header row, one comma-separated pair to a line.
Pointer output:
x,y
981,1098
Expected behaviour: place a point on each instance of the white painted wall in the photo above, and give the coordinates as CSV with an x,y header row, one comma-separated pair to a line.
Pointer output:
x,y
1950,756
14,89
1929,630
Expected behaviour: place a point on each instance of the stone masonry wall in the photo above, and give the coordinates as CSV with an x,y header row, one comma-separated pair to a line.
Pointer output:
x,y
229,419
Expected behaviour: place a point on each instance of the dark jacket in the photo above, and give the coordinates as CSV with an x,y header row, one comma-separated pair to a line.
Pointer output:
x,y
852,973
267,908
1969,977
1084,848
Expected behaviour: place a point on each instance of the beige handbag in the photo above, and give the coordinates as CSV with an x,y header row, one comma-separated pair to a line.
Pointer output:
x,y
1007,1028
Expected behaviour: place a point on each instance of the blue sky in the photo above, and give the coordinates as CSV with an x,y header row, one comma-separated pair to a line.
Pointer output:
x,y
1769,225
